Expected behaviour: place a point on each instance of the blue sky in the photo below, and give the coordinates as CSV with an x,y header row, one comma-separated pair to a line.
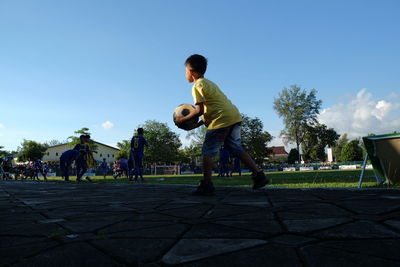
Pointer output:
x,y
65,65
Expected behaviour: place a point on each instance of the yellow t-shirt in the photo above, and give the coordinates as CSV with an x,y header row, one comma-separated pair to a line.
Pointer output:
x,y
219,111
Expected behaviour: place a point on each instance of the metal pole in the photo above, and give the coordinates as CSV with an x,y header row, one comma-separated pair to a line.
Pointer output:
x,y
362,171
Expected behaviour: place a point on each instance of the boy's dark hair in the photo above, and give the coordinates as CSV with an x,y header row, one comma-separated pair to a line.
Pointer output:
x,y
197,63
140,131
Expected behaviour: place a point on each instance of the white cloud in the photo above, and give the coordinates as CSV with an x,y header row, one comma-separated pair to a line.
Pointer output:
x,y
107,125
362,114
1,126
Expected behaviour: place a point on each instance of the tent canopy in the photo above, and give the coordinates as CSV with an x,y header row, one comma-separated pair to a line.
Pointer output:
x,y
384,153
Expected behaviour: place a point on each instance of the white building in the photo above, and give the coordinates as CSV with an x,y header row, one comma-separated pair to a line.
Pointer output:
x,y
53,153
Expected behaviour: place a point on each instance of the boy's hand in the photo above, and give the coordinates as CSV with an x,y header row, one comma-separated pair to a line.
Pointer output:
x,y
180,120
199,110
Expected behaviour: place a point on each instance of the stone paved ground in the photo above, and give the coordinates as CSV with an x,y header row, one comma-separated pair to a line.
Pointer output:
x,y
56,224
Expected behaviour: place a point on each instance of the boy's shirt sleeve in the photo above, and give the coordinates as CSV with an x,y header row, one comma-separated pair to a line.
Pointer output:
x,y
198,93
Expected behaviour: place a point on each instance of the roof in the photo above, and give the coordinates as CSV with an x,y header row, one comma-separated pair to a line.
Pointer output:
x,y
93,141
277,150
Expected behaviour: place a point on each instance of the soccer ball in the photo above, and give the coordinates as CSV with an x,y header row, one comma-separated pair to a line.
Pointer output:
x,y
182,111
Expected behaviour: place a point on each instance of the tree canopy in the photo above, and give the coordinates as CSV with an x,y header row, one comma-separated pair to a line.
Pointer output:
x,y
124,149
293,156
337,149
163,142
254,138
351,151
316,138
73,140
299,110
31,150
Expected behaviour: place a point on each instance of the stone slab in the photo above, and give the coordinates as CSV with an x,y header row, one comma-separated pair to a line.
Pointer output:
x,y
187,250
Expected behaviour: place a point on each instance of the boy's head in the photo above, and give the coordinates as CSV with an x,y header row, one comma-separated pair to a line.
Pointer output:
x,y
140,131
196,66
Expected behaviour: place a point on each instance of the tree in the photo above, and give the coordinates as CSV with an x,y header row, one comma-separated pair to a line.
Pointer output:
x,y
124,149
55,142
293,156
298,110
351,151
6,153
31,150
197,135
316,138
189,154
337,149
73,140
163,143
2,152
254,138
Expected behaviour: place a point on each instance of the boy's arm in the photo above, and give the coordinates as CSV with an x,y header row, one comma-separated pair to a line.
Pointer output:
x,y
198,111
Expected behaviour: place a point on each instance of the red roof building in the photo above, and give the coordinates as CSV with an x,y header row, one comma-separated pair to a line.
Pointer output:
x,y
276,152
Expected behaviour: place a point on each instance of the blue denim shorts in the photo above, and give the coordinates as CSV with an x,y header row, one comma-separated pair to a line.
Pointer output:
x,y
229,137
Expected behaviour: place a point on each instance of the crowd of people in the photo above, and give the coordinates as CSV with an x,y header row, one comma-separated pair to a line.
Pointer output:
x,y
227,164
82,155
80,161
29,170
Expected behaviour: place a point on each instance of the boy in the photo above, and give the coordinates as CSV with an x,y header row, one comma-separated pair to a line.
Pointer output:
x,y
66,160
123,168
81,160
222,120
224,156
104,168
236,166
137,153
39,169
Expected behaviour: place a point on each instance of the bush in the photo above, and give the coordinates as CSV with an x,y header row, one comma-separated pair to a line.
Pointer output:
x,y
351,152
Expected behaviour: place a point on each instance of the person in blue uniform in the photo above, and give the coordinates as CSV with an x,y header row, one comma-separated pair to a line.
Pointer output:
x,y
104,168
45,168
39,169
123,163
224,162
138,142
66,160
236,166
81,160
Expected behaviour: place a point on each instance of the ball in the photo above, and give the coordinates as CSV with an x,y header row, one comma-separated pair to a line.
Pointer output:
x,y
182,111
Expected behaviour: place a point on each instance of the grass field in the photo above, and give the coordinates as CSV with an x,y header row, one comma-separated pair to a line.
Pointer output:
x,y
305,179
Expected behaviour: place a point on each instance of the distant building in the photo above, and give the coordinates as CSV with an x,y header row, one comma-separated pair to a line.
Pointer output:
x,y
277,153
329,154
53,153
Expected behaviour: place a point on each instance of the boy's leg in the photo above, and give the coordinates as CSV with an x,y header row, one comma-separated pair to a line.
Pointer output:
x,y
130,168
66,172
82,169
44,175
207,168
141,168
136,169
234,145
212,143
248,161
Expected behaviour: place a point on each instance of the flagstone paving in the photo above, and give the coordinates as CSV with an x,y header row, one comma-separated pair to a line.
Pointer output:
x,y
68,224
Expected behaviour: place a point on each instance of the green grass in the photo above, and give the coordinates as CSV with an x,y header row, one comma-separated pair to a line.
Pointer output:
x,y
305,179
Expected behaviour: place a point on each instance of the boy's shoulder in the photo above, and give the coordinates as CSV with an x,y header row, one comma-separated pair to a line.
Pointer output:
x,y
204,83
